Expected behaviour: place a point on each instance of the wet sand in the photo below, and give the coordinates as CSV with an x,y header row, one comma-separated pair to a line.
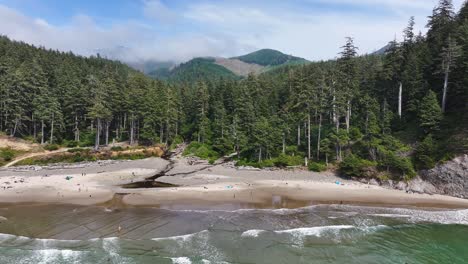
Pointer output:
x,y
203,184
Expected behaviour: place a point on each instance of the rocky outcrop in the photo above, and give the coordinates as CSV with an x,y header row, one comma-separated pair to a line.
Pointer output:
x,y
450,178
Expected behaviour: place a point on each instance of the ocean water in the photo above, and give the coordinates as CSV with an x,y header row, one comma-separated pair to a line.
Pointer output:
x,y
312,234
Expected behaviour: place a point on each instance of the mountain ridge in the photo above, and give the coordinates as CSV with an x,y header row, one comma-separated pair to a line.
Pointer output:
x,y
256,62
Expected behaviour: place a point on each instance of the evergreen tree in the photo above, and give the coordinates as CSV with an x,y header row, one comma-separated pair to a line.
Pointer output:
x,y
430,113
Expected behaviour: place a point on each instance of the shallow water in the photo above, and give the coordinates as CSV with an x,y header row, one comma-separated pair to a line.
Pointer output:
x,y
177,234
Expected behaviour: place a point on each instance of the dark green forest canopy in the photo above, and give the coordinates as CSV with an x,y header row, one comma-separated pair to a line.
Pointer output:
x,y
398,112
269,57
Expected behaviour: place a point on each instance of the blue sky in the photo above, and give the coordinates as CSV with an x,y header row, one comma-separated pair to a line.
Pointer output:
x,y
133,30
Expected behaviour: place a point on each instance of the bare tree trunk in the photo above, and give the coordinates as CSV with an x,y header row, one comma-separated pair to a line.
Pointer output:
x,y
107,133
132,130
337,152
284,143
98,134
77,131
400,94
367,122
299,134
52,129
161,134
348,115
14,128
335,117
34,127
309,151
260,155
319,136
167,132
42,132
337,123
444,96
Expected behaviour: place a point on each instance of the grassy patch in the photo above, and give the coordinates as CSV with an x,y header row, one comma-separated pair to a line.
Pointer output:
x,y
51,147
8,154
87,155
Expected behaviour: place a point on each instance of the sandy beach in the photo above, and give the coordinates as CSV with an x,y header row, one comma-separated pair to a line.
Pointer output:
x,y
101,183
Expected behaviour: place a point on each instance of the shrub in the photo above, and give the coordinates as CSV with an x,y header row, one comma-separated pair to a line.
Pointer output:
x,y
354,166
117,148
424,154
401,165
317,167
7,154
51,147
355,133
77,150
284,160
70,144
200,150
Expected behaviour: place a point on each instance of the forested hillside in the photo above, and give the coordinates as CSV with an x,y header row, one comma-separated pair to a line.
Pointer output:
x,y
208,69
377,116
269,57
193,70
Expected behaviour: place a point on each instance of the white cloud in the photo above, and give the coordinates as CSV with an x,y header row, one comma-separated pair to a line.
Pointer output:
x,y
155,9
222,29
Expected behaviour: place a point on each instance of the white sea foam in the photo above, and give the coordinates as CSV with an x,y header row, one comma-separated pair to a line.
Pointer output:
x,y
252,233
414,215
181,260
392,215
281,211
55,255
317,231
182,237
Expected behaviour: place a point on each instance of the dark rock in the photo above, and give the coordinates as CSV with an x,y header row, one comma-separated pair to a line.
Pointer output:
x,y
417,185
374,182
401,186
450,178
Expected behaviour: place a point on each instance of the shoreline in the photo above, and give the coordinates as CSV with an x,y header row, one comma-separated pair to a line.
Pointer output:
x,y
200,185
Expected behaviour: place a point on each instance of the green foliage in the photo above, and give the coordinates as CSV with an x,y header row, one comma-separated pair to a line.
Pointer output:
x,y
430,113
195,70
287,161
69,143
282,161
51,147
353,166
6,154
424,154
78,150
117,148
349,105
317,166
269,57
401,165
200,150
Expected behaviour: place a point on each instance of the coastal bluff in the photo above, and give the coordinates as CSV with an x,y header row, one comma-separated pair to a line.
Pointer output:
x,y
450,178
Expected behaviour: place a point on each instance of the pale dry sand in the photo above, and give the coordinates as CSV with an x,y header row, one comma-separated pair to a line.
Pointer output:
x,y
200,184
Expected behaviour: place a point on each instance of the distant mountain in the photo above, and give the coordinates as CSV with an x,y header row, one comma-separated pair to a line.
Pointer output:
x,y
232,68
195,69
383,50
269,57
150,66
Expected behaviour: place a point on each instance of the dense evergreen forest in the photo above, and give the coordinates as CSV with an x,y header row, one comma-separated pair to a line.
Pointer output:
x,y
374,115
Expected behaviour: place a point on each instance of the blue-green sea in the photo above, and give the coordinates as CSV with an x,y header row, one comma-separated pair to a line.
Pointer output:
x,y
230,234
